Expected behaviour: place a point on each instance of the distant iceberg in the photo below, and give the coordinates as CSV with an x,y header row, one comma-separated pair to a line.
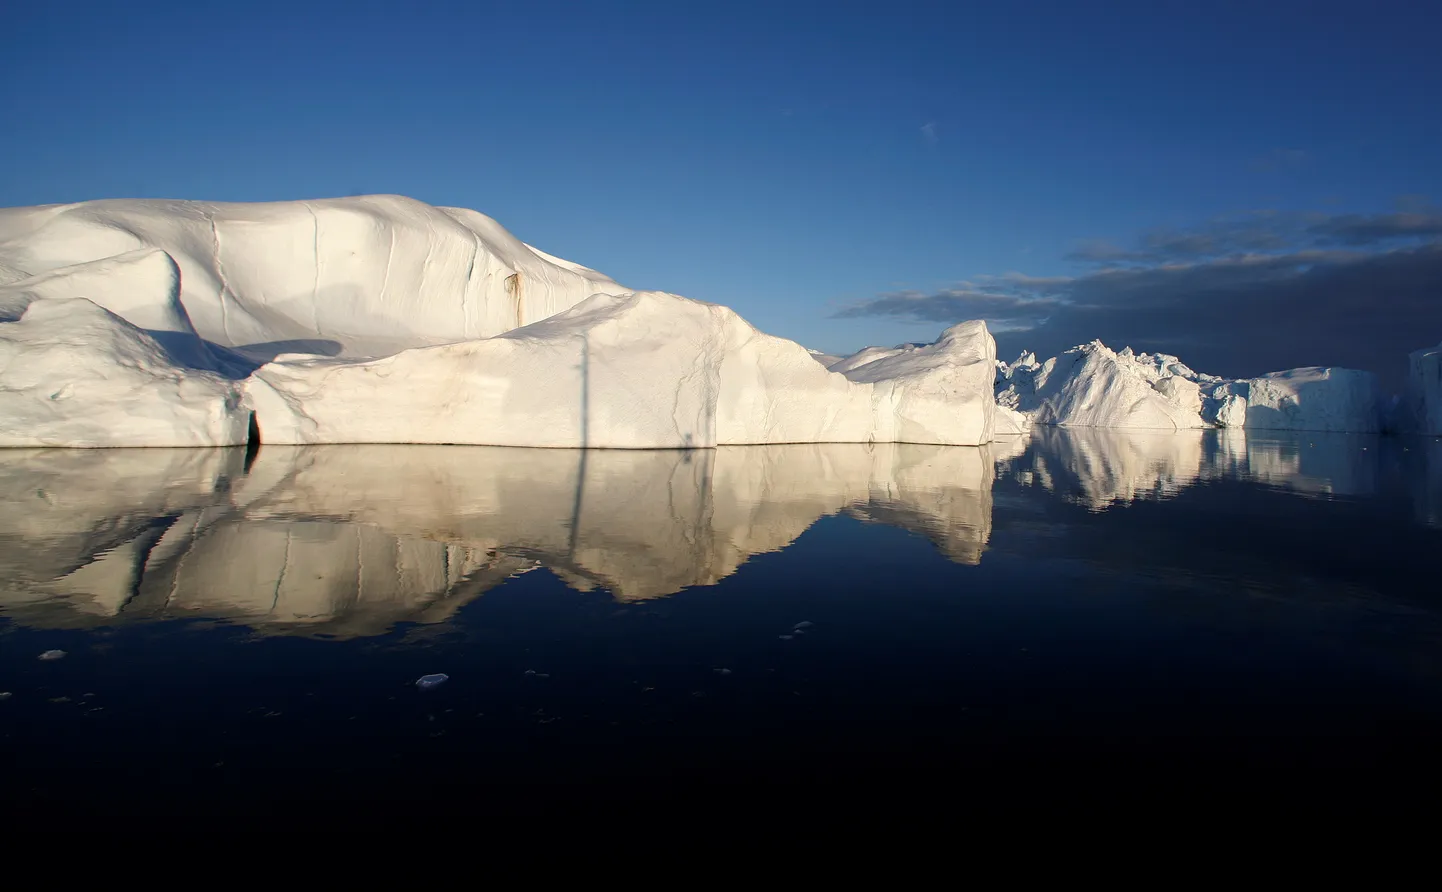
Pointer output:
x,y
1093,386
1424,390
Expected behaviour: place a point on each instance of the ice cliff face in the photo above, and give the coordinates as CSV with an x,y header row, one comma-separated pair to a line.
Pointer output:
x,y
74,374
1424,390
1314,399
644,370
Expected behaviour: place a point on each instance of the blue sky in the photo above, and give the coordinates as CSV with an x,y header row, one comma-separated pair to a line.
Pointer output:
x,y
840,173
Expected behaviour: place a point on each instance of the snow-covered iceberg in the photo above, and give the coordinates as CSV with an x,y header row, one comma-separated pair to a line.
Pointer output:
x,y
382,319
642,370
1093,386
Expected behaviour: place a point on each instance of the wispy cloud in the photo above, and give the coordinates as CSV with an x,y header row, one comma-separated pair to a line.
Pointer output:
x,y
1372,229
930,133
1256,231
1002,308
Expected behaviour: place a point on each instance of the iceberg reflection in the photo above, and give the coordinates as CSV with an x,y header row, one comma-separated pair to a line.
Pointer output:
x,y
1098,468
348,540
1425,465
1336,464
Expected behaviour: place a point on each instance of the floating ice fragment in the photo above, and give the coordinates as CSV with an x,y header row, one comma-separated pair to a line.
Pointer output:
x,y
52,655
426,682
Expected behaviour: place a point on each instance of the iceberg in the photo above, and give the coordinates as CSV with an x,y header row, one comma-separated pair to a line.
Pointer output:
x,y
1314,399
381,319
1093,386
1424,390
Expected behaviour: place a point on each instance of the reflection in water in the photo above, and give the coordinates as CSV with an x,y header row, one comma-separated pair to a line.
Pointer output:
x,y
1099,468
1273,609
348,540
1424,465
1336,464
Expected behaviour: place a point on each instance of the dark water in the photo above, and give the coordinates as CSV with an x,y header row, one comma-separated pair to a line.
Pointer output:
x,y
242,635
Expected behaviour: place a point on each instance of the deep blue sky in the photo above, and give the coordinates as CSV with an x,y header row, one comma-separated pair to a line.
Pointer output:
x,y
794,160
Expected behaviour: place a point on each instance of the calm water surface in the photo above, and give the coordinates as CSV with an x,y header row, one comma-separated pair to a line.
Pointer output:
x,y
242,633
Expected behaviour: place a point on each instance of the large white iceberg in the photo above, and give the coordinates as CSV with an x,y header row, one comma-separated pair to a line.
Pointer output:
x,y
382,319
